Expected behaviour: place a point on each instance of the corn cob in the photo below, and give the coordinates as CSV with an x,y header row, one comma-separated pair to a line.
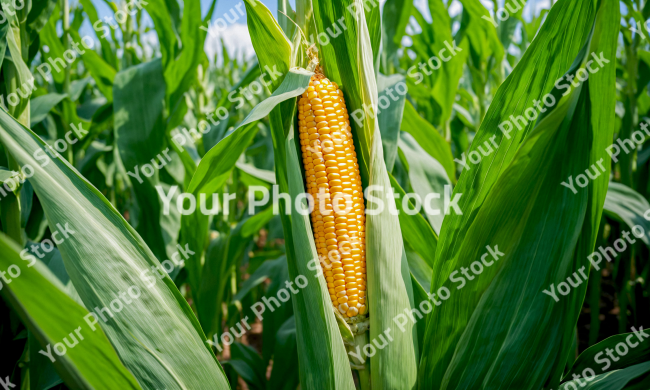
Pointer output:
x,y
332,175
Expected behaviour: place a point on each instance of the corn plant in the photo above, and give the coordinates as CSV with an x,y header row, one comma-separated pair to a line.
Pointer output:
x,y
386,196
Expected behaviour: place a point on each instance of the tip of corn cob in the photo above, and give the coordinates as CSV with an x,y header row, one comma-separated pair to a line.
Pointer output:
x,y
332,175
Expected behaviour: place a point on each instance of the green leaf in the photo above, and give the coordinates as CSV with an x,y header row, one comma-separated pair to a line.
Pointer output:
x,y
105,257
206,176
384,250
415,229
427,177
261,174
373,21
284,375
42,374
429,139
545,233
246,372
138,95
637,343
40,14
443,82
180,71
6,174
101,71
421,280
58,324
77,87
249,364
221,258
217,132
21,78
50,38
497,227
175,12
271,45
553,50
420,269
162,20
262,273
624,204
272,321
286,17
218,162
42,105
3,42
481,32
214,278
615,380
396,15
102,29
253,224
318,340
390,117
507,29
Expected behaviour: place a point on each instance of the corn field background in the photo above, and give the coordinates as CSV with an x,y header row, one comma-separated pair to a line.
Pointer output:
x,y
153,167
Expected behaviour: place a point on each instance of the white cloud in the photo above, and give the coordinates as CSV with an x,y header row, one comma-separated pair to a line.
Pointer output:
x,y
235,37
455,8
